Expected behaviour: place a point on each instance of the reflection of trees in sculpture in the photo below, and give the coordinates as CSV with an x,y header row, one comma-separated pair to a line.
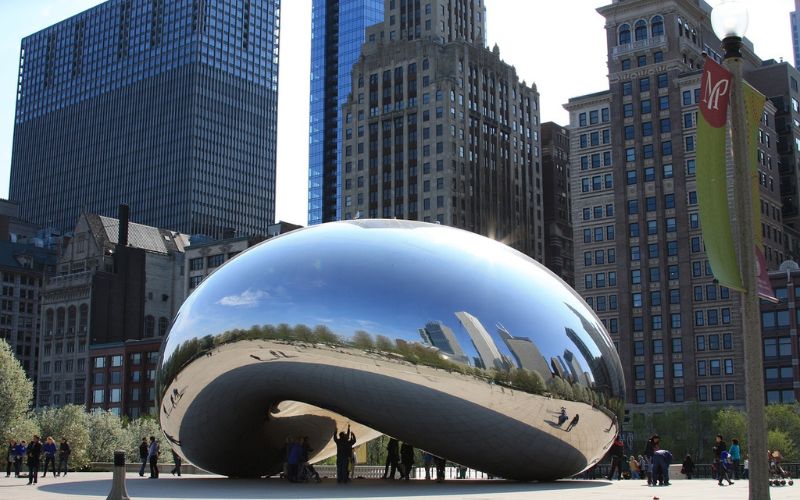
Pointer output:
x,y
521,379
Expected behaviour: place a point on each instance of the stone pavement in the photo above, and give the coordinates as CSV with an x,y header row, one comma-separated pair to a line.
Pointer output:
x,y
95,486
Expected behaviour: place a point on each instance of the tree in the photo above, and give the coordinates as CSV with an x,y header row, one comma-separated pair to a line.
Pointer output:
x,y
784,418
69,422
16,394
144,427
363,340
780,440
107,435
732,424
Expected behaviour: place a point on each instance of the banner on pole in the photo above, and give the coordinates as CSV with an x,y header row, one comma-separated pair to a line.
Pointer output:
x,y
712,181
754,109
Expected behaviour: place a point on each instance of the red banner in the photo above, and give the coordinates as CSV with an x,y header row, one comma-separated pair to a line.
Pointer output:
x,y
715,93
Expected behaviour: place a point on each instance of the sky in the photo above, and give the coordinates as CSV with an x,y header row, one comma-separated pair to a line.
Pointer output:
x,y
560,46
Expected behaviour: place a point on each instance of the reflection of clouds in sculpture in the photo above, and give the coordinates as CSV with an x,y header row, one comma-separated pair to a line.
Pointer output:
x,y
358,317
248,298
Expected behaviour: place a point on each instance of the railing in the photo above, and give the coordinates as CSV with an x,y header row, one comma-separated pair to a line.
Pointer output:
x,y
701,471
651,42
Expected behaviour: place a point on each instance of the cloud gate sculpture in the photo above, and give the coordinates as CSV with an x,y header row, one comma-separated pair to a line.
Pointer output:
x,y
451,341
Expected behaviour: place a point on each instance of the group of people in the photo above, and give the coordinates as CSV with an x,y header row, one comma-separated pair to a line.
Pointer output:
x,y
563,417
400,458
149,453
35,452
298,468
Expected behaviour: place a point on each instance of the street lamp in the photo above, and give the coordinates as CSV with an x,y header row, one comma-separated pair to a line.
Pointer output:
x,y
729,20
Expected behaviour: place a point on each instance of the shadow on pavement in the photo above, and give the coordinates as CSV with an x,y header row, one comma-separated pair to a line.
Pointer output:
x,y
217,487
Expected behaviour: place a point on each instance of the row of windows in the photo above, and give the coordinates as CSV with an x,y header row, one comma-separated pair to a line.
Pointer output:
x,y
640,30
115,377
641,60
679,394
595,116
662,82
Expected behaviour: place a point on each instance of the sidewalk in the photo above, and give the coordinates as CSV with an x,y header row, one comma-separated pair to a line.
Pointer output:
x,y
95,486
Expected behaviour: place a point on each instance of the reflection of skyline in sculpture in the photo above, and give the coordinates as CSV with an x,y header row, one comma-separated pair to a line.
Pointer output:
x,y
574,367
488,354
440,336
557,365
603,378
525,353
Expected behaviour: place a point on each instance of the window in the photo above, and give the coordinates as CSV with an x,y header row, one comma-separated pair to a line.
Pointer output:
x,y
627,110
663,103
215,260
633,207
665,125
636,277
702,393
624,34
647,129
677,345
714,367
728,363
666,148
100,362
639,372
116,360
640,30
658,371
644,84
657,26
658,346
663,81
633,229
677,370
702,370
98,396
645,107
716,392
700,343
627,88
635,253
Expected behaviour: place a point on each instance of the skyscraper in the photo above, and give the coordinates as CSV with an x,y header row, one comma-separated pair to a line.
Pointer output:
x,y
559,256
640,260
438,128
170,107
442,337
488,354
337,32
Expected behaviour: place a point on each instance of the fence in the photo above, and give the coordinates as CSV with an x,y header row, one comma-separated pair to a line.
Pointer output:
x,y
701,471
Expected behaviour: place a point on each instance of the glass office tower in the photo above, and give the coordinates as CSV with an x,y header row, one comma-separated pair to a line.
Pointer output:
x,y
337,32
170,107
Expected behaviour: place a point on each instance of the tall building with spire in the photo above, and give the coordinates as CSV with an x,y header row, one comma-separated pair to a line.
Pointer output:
x,y
439,128
337,32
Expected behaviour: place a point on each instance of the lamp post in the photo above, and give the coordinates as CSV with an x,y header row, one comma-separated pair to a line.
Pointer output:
x,y
729,20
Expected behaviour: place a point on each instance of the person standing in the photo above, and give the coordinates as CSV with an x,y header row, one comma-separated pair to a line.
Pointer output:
x,y
392,458
635,468
144,451
427,462
152,455
440,468
307,449
719,447
688,466
49,449
20,451
616,452
177,459
64,451
746,474
661,460
12,444
573,422
736,456
406,460
293,459
34,456
653,445
344,448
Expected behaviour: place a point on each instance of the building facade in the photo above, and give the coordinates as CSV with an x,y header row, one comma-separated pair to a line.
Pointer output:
x,y
439,129
559,253
779,326
170,107
337,32
111,289
640,259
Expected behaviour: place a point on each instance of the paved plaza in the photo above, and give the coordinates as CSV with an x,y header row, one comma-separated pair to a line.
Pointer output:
x,y
95,486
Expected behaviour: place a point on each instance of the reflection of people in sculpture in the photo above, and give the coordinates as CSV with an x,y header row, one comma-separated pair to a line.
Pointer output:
x,y
562,417
573,422
344,448
392,458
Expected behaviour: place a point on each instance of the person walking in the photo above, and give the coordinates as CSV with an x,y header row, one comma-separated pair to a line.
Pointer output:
x,y
440,468
616,452
392,458
144,451
344,448
49,449
406,460
152,455
688,467
653,445
64,451
34,453
12,444
20,451
746,474
719,447
177,459
573,422
736,456
724,468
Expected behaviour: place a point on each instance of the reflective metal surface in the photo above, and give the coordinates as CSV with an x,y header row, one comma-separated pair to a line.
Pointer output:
x,y
433,335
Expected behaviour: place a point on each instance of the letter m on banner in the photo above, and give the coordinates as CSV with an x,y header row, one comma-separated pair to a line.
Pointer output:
x,y
712,180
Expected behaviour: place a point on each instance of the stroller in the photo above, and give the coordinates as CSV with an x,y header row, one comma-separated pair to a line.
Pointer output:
x,y
777,475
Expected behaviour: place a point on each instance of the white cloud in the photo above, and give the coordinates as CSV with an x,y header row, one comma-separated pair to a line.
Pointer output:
x,y
248,298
